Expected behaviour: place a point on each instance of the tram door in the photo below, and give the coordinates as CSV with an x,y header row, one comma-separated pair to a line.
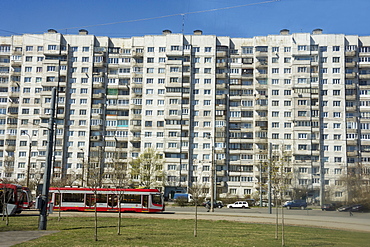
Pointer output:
x,y
112,200
145,202
90,200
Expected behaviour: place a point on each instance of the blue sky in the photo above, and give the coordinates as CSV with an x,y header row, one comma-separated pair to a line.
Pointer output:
x,y
68,16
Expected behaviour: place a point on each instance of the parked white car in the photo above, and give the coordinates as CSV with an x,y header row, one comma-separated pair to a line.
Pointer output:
x,y
239,204
265,204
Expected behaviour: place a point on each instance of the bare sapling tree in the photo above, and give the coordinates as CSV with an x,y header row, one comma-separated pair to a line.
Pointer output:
x,y
196,190
5,197
280,173
119,179
95,175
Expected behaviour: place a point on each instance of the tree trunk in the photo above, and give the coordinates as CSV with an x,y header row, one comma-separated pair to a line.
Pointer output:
x,y
277,220
96,220
196,220
282,227
119,216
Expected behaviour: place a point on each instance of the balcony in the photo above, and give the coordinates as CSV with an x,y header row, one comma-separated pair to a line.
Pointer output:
x,y
60,115
351,75
96,127
15,63
138,53
351,108
98,85
221,65
363,65
221,86
174,62
10,148
260,75
261,64
351,86
221,53
261,53
98,74
364,76
100,105
221,76
135,116
51,52
95,138
350,53
351,64
99,64
99,95
135,127
352,153
351,97
221,173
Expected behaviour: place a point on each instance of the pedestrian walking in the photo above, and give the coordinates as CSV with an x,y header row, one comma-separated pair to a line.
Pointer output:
x,y
350,212
208,206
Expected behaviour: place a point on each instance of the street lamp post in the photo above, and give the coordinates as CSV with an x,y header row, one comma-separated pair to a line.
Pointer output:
x,y
29,158
47,172
213,179
269,179
260,180
83,167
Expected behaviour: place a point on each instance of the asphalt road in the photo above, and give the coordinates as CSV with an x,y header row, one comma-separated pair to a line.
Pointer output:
x,y
264,210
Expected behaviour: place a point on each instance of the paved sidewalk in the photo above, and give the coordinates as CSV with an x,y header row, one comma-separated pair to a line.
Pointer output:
x,y
16,237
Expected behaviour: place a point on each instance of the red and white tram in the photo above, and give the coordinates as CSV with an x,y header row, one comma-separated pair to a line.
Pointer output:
x,y
106,199
11,199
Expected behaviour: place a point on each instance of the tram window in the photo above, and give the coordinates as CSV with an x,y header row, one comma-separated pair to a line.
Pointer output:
x,y
132,199
71,197
100,198
156,199
57,199
9,195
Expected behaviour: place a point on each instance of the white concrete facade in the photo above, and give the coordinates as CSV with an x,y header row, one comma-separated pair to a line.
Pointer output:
x,y
249,98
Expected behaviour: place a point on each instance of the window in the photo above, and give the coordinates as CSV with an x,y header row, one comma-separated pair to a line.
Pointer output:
x,y
336,48
337,137
275,70
52,47
336,81
336,92
302,48
336,70
175,48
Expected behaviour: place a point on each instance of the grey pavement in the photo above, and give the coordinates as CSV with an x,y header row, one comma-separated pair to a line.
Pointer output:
x,y
16,237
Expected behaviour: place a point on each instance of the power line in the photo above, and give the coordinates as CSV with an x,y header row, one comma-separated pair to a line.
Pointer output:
x,y
172,15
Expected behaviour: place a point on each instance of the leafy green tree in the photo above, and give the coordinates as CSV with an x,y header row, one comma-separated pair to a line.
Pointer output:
x,y
147,169
357,184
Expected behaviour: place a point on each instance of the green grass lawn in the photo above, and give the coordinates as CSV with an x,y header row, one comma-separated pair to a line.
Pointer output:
x,y
79,231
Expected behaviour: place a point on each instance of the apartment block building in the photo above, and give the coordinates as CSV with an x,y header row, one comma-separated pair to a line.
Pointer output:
x,y
201,101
